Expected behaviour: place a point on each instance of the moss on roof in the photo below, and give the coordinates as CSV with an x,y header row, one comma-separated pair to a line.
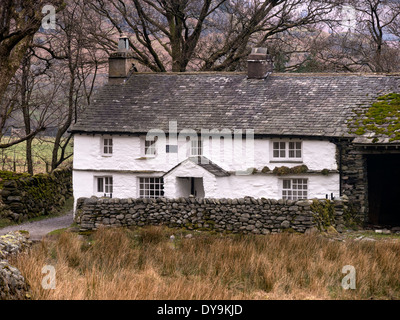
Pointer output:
x,y
380,120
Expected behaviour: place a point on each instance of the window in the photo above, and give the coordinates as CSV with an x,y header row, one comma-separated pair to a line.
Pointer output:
x,y
279,149
171,148
287,150
294,189
151,187
150,147
294,149
107,146
105,185
196,147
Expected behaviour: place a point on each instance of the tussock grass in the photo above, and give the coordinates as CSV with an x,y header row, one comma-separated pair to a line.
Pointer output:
x,y
146,264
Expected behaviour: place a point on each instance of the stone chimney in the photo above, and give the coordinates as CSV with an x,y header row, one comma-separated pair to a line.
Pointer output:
x,y
260,64
120,62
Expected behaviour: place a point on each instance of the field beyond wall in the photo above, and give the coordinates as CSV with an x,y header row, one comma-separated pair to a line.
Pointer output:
x,y
146,264
14,158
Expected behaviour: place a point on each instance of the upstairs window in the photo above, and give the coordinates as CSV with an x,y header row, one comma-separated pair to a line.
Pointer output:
x,y
287,150
294,150
294,189
150,147
279,150
196,147
171,148
107,146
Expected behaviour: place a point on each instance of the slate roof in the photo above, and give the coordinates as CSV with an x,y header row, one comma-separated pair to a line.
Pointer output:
x,y
209,166
206,164
312,105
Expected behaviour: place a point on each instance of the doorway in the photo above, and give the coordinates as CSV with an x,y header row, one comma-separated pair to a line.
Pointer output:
x,y
187,186
384,189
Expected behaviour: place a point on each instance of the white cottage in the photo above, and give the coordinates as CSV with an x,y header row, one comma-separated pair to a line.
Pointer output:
x,y
220,135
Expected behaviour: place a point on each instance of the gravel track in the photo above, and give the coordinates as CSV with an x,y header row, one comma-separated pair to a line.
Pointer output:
x,y
39,229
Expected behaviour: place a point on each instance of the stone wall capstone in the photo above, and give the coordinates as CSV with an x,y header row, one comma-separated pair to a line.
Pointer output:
x,y
246,215
37,195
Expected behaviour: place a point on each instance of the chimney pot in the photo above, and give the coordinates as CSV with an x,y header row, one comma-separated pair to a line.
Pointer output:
x,y
120,62
123,43
260,64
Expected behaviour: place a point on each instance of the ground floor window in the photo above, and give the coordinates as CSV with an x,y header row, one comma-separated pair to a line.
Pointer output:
x,y
105,185
294,189
151,187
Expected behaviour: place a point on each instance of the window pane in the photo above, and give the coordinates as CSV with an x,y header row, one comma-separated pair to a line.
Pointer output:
x,y
286,184
279,149
108,184
172,149
100,184
294,149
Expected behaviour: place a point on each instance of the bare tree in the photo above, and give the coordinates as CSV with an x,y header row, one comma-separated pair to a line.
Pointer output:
x,y
366,46
76,58
212,35
260,24
19,21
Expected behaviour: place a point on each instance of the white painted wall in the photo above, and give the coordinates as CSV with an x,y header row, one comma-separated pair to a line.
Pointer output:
x,y
270,186
128,157
129,151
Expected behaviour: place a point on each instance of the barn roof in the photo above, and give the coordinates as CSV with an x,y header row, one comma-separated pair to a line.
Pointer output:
x,y
312,105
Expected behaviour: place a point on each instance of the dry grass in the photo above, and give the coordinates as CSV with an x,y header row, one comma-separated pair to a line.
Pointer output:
x,y
145,264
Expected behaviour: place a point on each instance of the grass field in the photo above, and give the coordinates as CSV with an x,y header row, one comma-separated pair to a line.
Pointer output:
x,y
15,157
146,264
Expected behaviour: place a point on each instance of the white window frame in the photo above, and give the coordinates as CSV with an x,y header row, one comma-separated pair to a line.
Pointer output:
x,y
148,185
285,152
196,147
149,148
107,185
290,188
107,148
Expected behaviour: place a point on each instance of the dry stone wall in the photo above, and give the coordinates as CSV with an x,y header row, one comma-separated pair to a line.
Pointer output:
x,y
246,215
32,196
12,284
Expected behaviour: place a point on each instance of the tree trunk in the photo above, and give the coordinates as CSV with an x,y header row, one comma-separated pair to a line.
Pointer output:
x,y
26,111
29,159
